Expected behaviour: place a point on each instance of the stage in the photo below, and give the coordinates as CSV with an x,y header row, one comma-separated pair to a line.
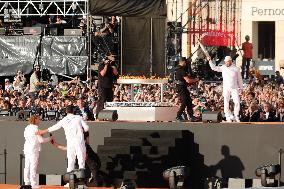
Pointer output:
x,y
142,150
10,186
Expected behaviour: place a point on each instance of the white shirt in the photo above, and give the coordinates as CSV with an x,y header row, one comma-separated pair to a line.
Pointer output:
x,y
73,126
33,81
232,78
33,141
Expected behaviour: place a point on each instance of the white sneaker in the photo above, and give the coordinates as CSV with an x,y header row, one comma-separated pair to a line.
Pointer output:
x,y
228,120
66,185
232,117
35,186
237,119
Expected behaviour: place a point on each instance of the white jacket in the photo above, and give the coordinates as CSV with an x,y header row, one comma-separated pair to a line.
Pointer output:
x,y
33,141
232,78
73,126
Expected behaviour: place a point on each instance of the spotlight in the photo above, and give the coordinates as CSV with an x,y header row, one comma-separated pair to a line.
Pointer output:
x,y
267,171
76,178
176,176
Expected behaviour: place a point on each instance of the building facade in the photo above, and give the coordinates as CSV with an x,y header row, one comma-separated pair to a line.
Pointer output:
x,y
262,20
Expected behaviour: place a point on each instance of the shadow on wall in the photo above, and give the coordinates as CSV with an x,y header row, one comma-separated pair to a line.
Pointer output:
x,y
158,151
230,166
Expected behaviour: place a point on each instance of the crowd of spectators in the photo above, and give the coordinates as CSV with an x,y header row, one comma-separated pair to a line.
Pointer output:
x,y
261,100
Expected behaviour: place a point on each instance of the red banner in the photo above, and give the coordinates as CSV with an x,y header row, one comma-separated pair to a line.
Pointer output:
x,y
216,39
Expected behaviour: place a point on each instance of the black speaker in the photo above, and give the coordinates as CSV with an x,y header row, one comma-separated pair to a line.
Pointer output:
x,y
212,117
108,115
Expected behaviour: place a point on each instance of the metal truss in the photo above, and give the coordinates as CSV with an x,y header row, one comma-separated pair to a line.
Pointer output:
x,y
64,8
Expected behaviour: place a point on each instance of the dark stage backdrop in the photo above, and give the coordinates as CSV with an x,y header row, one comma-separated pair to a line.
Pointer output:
x,y
143,8
136,46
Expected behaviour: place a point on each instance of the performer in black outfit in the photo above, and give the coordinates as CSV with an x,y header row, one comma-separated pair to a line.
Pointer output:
x,y
107,74
182,81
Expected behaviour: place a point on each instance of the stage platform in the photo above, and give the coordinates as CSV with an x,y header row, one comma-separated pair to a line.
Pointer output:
x,y
10,186
156,146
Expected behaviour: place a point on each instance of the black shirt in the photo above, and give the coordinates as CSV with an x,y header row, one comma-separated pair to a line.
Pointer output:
x,y
180,74
106,81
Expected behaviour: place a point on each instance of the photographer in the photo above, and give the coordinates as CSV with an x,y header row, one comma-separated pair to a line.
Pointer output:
x,y
19,81
107,74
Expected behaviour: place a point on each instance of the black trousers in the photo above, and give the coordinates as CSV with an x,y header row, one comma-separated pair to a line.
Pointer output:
x,y
245,67
93,164
105,95
185,99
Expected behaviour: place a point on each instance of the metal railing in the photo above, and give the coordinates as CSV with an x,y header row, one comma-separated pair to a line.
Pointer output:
x,y
5,165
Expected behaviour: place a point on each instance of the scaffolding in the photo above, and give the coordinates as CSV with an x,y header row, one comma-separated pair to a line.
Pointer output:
x,y
15,9
45,7
214,17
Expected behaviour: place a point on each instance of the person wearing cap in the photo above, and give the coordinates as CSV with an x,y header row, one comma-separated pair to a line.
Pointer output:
x,y
247,56
8,85
182,80
232,83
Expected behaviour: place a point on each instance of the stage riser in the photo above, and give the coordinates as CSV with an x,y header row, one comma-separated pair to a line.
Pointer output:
x,y
145,113
199,146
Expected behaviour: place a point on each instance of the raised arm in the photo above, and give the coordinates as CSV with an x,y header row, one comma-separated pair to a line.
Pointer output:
x,y
213,66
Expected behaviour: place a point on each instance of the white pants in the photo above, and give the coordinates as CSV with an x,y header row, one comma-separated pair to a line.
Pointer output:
x,y
227,93
74,150
31,164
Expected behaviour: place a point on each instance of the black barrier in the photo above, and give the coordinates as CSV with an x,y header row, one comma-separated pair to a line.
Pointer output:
x,y
22,156
5,165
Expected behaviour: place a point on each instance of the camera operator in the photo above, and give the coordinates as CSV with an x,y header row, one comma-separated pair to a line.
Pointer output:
x,y
107,74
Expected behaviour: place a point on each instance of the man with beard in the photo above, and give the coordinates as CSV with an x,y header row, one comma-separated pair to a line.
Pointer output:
x,y
34,82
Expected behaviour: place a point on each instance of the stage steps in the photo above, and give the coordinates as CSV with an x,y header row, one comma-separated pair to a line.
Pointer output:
x,y
141,156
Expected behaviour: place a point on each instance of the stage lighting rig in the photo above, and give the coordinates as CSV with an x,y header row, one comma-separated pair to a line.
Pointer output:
x,y
176,176
76,178
269,171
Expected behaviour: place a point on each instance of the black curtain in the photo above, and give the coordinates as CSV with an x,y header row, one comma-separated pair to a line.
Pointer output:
x,y
136,46
130,8
159,33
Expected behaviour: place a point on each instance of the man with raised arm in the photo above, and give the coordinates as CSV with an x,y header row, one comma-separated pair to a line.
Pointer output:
x,y
232,85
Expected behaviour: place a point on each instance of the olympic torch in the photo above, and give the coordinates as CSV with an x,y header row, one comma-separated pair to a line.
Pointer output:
x,y
204,49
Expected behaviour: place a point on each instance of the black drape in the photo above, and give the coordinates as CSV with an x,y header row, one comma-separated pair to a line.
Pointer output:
x,y
130,8
159,32
136,46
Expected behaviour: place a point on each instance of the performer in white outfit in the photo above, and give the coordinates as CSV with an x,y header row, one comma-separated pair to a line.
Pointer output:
x,y
74,127
232,83
32,148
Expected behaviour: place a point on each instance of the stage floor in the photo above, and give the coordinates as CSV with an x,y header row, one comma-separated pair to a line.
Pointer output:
x,y
11,186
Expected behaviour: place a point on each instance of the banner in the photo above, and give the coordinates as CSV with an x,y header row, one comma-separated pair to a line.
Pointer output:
x,y
216,38
266,67
129,8
17,53
64,55
263,10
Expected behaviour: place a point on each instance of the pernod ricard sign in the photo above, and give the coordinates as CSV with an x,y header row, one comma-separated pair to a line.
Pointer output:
x,y
263,10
